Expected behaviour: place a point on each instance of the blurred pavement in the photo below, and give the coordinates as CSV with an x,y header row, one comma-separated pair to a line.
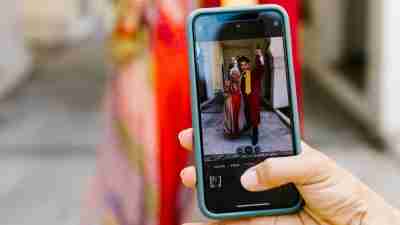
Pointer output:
x,y
49,128
273,135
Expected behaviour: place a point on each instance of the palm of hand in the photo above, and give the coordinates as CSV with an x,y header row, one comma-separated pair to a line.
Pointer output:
x,y
330,200
332,195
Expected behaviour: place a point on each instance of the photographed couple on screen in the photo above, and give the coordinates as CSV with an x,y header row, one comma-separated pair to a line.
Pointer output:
x,y
242,90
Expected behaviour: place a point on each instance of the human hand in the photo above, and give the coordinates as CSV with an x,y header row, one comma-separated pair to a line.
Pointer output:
x,y
234,60
259,52
332,195
260,56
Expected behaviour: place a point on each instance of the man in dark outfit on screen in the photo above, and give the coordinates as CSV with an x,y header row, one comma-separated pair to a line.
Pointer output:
x,y
251,90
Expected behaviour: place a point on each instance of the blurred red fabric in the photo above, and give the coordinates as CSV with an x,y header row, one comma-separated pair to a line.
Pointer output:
x,y
173,111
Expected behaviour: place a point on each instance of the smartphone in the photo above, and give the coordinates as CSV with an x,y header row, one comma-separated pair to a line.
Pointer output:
x,y
244,106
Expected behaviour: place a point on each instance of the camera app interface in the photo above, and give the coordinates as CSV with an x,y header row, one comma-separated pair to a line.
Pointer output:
x,y
245,113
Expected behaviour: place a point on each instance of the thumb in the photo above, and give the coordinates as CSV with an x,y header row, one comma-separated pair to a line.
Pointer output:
x,y
310,166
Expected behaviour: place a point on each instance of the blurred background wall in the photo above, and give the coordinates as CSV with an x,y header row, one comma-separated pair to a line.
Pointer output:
x,y
15,59
350,48
56,22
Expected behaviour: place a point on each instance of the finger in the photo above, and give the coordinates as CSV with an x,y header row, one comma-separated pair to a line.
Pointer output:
x,y
186,138
308,219
289,220
309,167
188,176
271,220
244,221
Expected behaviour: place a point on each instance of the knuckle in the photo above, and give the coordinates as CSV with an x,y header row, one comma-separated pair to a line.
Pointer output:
x,y
263,171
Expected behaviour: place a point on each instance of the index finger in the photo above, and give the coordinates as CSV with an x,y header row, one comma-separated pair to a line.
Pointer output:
x,y
186,138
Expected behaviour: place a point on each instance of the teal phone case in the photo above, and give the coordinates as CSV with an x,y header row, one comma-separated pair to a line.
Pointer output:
x,y
195,109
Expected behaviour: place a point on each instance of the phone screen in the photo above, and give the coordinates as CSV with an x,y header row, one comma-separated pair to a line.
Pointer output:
x,y
245,108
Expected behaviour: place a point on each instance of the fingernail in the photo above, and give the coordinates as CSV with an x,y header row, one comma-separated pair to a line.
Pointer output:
x,y
182,173
183,133
250,180
180,135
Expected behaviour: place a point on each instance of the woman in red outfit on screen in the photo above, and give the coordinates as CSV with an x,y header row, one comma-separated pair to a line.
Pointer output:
x,y
234,105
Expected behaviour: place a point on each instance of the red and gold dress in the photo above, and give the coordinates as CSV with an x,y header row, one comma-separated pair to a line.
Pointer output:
x,y
234,118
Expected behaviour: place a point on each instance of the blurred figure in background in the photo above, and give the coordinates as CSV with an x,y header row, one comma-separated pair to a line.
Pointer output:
x,y
15,59
147,104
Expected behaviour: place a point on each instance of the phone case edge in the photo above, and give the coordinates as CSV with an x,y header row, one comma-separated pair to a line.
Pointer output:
x,y
195,110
